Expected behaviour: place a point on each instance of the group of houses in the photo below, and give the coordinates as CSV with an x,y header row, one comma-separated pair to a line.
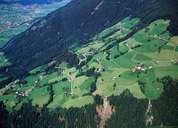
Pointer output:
x,y
140,68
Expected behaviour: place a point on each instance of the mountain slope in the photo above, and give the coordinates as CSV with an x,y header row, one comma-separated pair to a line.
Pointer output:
x,y
69,27
119,75
26,2
126,72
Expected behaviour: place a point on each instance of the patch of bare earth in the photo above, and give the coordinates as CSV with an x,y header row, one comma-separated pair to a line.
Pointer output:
x,y
105,112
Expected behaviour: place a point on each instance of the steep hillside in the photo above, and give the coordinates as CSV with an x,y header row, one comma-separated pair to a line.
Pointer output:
x,y
94,64
76,24
116,77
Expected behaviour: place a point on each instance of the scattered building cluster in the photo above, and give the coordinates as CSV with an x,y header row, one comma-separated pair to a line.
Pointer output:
x,y
99,70
18,93
83,58
140,68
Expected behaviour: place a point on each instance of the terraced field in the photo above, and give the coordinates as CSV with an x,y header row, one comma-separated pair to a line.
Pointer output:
x,y
108,65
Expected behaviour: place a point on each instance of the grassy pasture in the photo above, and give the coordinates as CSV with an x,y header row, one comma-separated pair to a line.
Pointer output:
x,y
49,78
151,46
39,96
167,71
134,88
164,55
86,85
59,96
120,78
158,26
78,102
125,61
149,84
132,43
9,100
125,81
38,69
31,79
141,57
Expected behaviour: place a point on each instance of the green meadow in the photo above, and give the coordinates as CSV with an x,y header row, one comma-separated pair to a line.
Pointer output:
x,y
137,64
